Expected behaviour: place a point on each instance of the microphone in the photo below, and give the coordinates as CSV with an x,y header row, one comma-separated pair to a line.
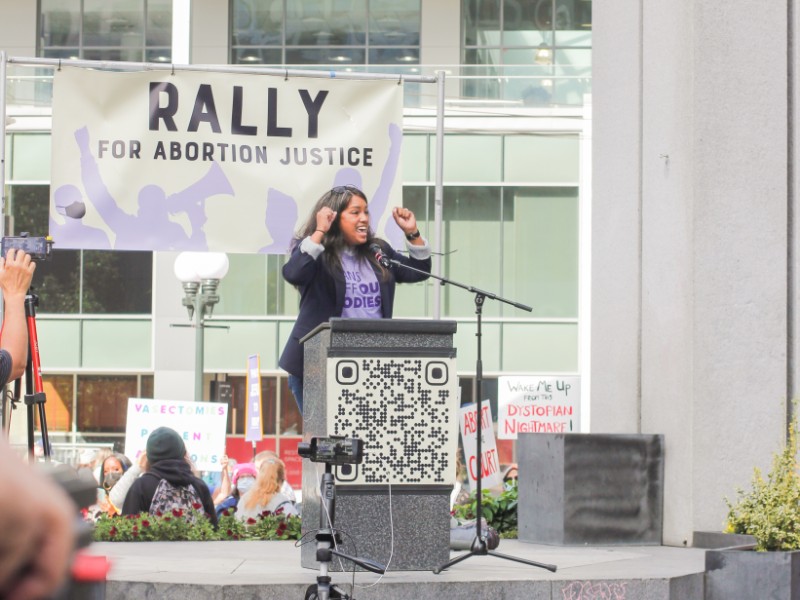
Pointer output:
x,y
382,260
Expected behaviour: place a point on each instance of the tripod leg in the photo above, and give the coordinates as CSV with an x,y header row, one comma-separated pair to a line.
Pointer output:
x,y
452,562
33,379
31,435
525,561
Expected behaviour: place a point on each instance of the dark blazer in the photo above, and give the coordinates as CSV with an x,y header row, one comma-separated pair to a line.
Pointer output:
x,y
322,295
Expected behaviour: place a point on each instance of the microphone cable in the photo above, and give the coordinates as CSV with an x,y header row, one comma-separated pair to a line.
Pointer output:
x,y
391,532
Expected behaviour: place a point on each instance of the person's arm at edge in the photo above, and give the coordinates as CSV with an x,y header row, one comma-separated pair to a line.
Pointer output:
x,y
16,272
38,524
224,488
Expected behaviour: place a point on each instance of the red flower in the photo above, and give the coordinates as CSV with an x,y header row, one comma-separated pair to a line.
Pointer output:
x,y
177,512
197,505
112,532
251,521
135,533
145,523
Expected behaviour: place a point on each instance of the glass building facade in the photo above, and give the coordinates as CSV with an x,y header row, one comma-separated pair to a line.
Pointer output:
x,y
514,188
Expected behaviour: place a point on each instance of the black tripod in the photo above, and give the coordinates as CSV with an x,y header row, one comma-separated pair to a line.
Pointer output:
x,y
34,397
327,537
479,545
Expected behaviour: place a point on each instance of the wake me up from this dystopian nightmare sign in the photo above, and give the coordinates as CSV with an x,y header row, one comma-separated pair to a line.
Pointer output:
x,y
229,162
537,405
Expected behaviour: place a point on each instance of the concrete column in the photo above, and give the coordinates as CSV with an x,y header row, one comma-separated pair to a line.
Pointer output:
x,y
173,347
209,32
690,219
18,27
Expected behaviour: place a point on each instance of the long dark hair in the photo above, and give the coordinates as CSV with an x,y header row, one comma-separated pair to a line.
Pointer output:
x,y
337,200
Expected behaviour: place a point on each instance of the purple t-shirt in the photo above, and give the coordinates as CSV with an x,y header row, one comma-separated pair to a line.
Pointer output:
x,y
362,295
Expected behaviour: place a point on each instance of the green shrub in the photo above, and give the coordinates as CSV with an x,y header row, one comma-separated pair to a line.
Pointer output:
x,y
500,511
194,526
770,511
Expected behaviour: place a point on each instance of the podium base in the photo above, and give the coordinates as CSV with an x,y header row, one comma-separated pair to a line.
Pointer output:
x,y
412,533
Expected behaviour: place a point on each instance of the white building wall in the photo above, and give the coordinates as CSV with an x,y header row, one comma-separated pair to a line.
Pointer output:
x,y
18,27
209,35
173,347
174,370
440,37
690,241
616,216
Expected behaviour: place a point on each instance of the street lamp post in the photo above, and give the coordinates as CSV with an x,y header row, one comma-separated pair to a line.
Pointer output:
x,y
200,274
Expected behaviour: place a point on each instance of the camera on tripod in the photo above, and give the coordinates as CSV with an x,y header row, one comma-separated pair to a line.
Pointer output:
x,y
333,450
39,248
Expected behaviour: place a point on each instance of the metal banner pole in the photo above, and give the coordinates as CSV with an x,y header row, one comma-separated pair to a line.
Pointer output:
x,y
5,412
3,68
438,194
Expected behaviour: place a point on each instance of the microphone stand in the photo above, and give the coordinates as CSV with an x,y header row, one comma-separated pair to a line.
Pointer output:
x,y
479,546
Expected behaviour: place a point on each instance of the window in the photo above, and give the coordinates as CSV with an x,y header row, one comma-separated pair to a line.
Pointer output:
x,y
334,33
103,402
530,53
112,282
115,30
291,421
58,405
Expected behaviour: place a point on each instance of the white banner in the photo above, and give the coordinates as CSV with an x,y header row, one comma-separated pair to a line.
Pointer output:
x,y
490,461
154,160
537,405
200,424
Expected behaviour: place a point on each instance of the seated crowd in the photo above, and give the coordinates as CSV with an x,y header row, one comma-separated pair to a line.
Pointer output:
x,y
164,477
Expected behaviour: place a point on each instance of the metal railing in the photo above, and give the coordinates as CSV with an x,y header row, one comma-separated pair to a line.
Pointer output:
x,y
30,88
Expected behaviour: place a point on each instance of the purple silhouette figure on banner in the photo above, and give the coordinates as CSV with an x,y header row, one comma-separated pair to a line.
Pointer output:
x,y
280,219
281,212
69,202
150,228
379,201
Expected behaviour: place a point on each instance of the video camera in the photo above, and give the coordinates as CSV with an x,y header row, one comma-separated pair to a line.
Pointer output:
x,y
334,450
38,247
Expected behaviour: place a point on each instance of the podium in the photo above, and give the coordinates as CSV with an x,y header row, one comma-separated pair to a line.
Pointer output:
x,y
393,384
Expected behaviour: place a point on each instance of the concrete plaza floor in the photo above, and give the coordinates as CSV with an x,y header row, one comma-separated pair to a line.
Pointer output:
x,y
272,570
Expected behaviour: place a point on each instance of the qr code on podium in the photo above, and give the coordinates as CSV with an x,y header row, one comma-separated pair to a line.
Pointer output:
x,y
406,412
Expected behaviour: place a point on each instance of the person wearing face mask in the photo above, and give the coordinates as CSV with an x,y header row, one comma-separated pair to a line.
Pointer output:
x,y
333,264
111,471
244,476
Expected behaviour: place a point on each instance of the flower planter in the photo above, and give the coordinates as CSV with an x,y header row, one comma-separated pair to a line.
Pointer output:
x,y
719,539
740,572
